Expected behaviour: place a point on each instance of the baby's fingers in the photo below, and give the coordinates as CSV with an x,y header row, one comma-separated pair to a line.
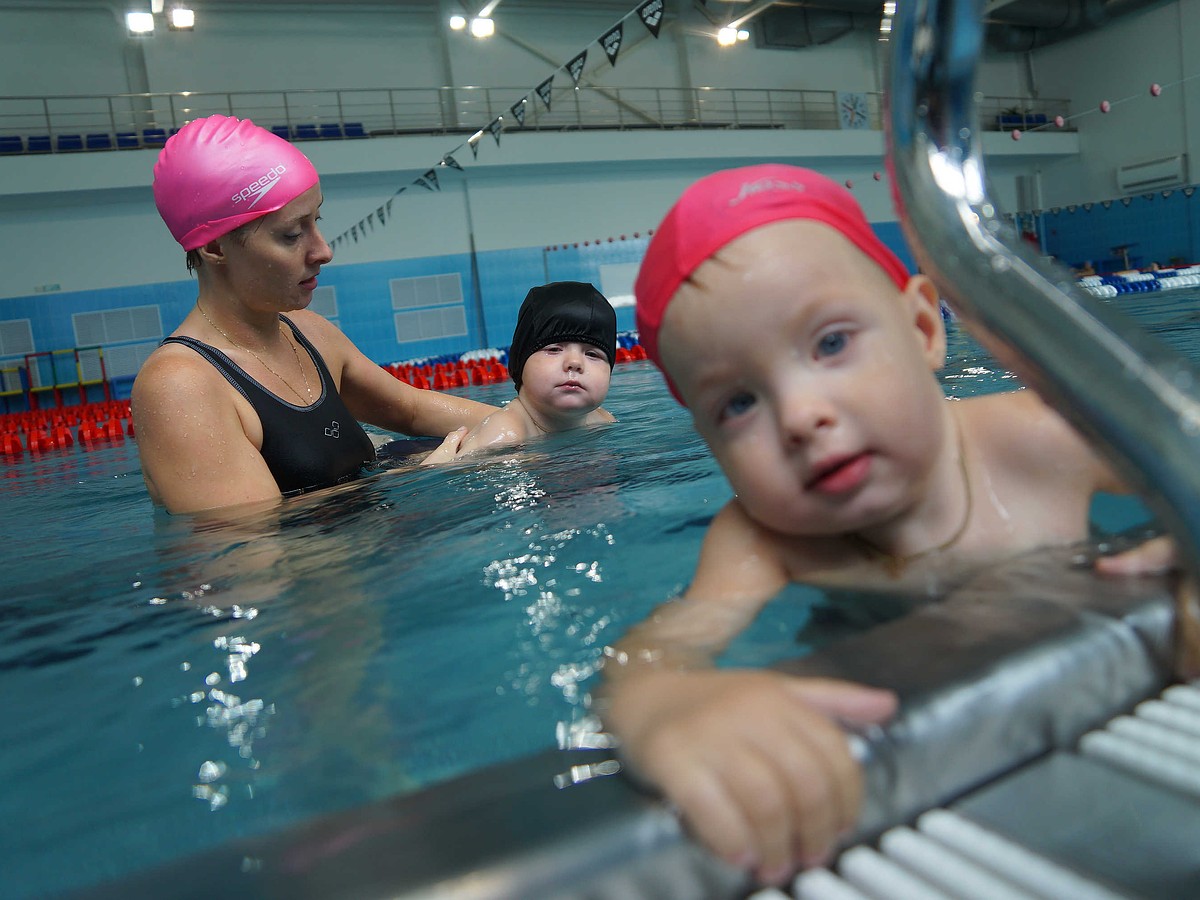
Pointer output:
x,y
713,813
1155,557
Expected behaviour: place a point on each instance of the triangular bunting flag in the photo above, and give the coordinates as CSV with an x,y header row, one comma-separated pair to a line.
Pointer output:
x,y
651,13
1147,196
495,127
575,67
518,110
371,220
450,161
1087,207
1125,201
544,90
1107,204
354,233
431,177
388,206
473,143
1055,210
379,212
1071,208
1167,194
400,191
1188,191
611,41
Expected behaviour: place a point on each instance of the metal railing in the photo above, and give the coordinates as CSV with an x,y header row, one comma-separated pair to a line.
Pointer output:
x,y
1133,395
129,121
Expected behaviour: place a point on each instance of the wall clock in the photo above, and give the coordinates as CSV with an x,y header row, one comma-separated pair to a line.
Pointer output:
x,y
852,109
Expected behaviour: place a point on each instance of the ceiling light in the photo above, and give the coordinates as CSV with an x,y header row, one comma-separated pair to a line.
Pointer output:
x,y
139,23
743,34
156,6
182,19
482,28
457,23
727,36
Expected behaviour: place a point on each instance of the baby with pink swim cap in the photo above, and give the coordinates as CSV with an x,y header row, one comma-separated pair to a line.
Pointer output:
x,y
254,397
806,354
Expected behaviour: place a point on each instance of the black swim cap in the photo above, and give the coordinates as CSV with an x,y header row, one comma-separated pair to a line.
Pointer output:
x,y
561,312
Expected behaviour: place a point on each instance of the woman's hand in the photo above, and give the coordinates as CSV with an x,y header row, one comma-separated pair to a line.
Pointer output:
x,y
449,449
755,760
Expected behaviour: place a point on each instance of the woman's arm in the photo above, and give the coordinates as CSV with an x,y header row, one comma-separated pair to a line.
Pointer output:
x,y
195,449
373,395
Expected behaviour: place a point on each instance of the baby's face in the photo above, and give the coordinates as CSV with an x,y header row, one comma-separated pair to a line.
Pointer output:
x,y
809,374
567,377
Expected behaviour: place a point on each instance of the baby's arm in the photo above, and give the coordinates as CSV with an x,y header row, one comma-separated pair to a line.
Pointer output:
x,y
753,759
738,572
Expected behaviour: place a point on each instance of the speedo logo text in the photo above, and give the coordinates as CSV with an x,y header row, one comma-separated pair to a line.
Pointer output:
x,y
258,189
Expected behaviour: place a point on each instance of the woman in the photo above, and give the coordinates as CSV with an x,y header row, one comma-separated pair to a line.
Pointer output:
x,y
253,397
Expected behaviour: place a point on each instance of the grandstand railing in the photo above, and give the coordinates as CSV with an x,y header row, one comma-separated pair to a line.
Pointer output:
x,y
131,121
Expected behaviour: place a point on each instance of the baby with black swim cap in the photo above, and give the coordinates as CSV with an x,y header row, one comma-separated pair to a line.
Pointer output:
x,y
561,361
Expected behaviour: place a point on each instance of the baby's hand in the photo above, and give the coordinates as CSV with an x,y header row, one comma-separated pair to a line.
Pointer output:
x,y
449,448
1155,557
753,759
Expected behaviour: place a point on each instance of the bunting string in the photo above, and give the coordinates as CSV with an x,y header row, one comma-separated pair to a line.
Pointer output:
x,y
648,12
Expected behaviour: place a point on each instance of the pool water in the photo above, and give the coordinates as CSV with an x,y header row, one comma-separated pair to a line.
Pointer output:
x,y
169,683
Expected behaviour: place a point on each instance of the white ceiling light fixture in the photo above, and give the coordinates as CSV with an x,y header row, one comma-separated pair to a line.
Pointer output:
x,y
156,7
140,24
482,27
182,19
458,23
727,36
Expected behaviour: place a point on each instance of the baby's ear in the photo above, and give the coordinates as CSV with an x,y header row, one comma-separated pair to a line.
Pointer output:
x,y
921,298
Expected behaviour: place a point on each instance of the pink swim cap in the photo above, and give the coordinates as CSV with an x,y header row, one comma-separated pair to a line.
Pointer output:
x,y
725,205
220,172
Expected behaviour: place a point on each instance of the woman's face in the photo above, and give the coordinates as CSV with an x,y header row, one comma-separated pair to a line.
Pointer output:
x,y
275,260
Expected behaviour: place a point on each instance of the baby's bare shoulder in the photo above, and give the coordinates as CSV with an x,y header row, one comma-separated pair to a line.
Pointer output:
x,y
505,426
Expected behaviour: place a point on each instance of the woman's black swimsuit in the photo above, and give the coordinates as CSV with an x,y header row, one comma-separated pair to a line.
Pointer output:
x,y
305,447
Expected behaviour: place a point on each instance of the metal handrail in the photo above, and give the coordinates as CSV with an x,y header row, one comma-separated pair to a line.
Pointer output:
x,y
1120,386
144,119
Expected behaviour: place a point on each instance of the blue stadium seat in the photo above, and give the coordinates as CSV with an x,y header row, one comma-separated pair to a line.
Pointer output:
x,y
354,130
66,142
12,143
307,133
154,137
127,140
282,131
98,141
38,143
330,130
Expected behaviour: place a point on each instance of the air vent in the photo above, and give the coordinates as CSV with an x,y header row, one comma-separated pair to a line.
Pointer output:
x,y
1155,173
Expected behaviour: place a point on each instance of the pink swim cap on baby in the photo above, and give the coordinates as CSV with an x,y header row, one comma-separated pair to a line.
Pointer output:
x,y
725,205
220,172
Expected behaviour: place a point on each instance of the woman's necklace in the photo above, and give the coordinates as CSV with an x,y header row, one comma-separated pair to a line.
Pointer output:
x,y
895,564
299,365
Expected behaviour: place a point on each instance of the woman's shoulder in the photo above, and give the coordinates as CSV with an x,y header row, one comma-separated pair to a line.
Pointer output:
x,y
172,370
